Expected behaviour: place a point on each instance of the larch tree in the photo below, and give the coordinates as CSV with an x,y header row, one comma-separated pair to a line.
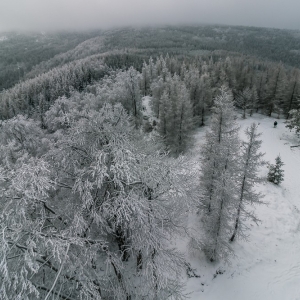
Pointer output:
x,y
205,99
292,98
250,160
275,89
220,168
293,123
157,89
178,117
192,82
145,79
243,100
253,106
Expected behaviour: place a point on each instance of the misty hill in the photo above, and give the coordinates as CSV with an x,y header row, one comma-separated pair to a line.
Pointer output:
x,y
20,52
27,55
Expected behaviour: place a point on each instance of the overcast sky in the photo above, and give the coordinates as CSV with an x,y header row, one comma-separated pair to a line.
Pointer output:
x,y
86,14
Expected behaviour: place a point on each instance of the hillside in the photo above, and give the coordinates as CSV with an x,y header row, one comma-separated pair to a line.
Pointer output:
x,y
20,52
27,55
268,265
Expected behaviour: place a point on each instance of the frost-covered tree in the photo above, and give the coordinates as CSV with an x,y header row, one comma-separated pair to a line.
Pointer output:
x,y
243,100
145,80
157,90
276,173
192,82
90,216
24,96
220,168
254,101
205,101
275,89
292,95
123,87
293,123
179,118
175,116
250,161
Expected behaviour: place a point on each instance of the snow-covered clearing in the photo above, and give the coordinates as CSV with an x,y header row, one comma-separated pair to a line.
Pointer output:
x,y
268,265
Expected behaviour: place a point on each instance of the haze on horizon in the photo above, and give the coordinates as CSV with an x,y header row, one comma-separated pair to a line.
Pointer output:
x,y
93,14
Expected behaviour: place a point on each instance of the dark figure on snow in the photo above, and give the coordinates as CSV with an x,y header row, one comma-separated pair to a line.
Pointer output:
x,y
275,124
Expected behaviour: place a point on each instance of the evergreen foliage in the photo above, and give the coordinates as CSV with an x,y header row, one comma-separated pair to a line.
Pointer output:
x,y
220,168
293,123
250,161
276,173
243,100
178,118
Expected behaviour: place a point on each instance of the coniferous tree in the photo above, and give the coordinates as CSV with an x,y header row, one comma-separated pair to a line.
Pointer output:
x,y
206,97
276,173
192,82
250,161
145,80
183,121
163,113
176,117
253,106
274,90
220,168
152,70
292,96
261,80
157,89
293,123
243,100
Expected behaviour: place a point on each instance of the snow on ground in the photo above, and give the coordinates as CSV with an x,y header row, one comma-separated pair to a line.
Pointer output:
x,y
268,265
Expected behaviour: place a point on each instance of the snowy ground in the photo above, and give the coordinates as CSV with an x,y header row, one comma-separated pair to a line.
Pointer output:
x,y
266,267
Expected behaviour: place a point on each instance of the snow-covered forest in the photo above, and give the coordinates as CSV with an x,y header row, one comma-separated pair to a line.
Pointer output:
x,y
146,174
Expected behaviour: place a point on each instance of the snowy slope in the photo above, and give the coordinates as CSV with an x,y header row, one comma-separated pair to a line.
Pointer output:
x,y
266,267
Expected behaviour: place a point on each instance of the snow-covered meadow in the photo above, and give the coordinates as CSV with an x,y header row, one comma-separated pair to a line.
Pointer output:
x,y
267,266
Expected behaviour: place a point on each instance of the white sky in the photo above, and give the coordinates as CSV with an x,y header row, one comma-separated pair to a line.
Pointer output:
x,y
86,14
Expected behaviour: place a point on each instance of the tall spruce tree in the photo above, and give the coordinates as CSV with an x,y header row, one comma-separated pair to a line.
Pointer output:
x,y
220,169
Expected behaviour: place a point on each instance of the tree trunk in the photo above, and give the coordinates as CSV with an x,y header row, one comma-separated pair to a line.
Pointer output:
x,y
139,262
202,117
